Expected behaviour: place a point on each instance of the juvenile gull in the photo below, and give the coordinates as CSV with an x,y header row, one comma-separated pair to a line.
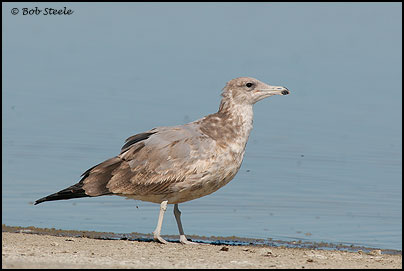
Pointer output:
x,y
171,165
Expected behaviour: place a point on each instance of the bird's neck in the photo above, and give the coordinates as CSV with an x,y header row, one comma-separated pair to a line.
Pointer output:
x,y
240,115
231,124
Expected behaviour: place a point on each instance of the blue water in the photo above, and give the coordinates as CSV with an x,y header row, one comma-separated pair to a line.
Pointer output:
x,y
322,164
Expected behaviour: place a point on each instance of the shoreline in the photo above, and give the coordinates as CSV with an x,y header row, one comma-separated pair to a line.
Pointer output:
x,y
49,248
214,240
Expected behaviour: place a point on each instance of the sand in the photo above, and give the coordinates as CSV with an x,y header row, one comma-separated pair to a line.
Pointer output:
x,y
27,250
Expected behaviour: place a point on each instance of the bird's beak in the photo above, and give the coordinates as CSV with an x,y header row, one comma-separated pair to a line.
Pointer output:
x,y
274,90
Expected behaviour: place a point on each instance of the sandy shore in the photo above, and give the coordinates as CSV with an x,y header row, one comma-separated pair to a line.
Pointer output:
x,y
22,250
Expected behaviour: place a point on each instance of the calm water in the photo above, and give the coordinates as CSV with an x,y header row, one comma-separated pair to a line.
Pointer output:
x,y
322,164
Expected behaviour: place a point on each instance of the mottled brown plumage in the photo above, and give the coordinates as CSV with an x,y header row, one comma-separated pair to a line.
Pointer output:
x,y
171,165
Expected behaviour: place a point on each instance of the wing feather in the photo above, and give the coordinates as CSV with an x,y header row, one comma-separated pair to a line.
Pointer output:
x,y
152,163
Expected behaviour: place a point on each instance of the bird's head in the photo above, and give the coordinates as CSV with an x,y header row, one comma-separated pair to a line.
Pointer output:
x,y
247,90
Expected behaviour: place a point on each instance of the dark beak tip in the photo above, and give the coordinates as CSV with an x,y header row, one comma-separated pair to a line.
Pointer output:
x,y
285,92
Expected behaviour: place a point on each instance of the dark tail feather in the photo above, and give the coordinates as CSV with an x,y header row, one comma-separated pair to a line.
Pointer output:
x,y
96,185
74,191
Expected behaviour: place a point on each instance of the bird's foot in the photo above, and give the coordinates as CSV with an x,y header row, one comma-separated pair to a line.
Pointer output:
x,y
160,239
185,241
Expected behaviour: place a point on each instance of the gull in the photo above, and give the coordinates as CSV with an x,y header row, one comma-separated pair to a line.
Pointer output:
x,y
172,165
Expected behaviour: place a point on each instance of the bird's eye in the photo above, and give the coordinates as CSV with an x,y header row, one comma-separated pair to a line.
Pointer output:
x,y
249,85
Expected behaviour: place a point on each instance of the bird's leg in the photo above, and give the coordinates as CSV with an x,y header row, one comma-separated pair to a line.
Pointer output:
x,y
177,215
156,233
